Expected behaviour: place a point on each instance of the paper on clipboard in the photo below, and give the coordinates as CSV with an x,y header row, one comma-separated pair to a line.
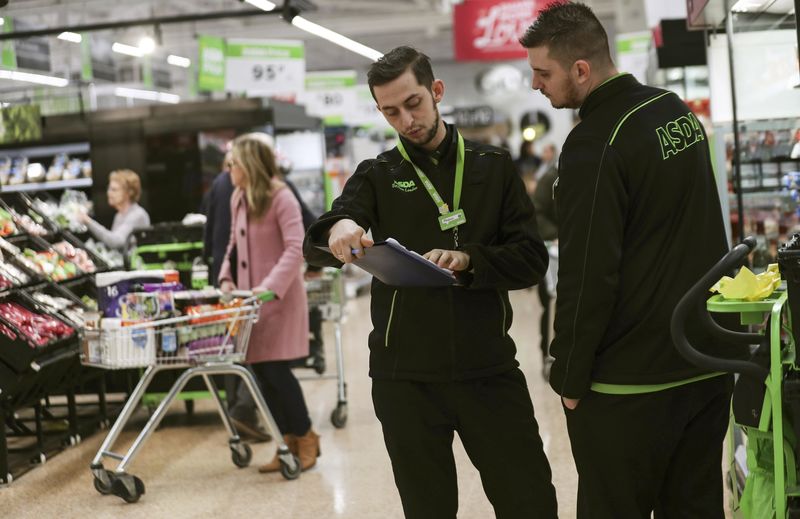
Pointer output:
x,y
395,265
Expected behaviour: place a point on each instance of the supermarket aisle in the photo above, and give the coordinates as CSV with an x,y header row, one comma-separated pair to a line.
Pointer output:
x,y
188,472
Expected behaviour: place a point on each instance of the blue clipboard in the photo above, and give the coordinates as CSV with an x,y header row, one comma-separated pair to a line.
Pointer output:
x,y
395,265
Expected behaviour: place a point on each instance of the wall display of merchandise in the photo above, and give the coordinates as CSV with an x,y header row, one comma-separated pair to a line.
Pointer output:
x,y
45,167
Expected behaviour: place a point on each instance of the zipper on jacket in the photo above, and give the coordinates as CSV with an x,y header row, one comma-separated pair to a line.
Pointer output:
x,y
389,324
452,333
503,305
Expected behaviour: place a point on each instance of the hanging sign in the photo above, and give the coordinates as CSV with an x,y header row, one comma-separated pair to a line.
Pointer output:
x,y
489,30
211,64
330,95
265,67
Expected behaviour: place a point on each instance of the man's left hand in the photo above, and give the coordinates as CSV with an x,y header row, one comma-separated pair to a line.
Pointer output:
x,y
449,259
570,403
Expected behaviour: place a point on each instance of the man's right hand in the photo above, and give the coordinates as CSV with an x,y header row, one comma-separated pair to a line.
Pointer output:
x,y
347,240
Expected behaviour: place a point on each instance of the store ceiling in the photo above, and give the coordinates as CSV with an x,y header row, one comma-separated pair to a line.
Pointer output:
x,y
381,24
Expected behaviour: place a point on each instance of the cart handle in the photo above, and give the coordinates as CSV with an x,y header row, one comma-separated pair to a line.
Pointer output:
x,y
267,295
694,300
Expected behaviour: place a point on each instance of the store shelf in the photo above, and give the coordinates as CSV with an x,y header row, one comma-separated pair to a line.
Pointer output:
x,y
46,186
77,148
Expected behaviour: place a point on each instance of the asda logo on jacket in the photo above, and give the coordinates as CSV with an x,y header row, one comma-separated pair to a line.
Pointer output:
x,y
677,135
406,186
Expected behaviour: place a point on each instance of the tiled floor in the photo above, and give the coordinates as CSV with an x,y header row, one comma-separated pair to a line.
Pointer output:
x,y
188,471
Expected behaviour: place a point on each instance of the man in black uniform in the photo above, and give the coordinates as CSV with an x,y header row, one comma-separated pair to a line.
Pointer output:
x,y
639,222
441,359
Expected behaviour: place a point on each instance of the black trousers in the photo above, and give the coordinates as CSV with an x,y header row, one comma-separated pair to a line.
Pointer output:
x,y
494,419
283,396
657,452
544,322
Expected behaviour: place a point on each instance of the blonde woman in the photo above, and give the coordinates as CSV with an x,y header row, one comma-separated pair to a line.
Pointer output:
x,y
124,190
267,233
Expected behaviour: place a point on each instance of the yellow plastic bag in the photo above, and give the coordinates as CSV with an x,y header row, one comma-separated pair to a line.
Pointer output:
x,y
749,286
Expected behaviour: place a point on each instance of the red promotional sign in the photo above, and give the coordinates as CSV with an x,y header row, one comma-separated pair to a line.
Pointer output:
x,y
489,30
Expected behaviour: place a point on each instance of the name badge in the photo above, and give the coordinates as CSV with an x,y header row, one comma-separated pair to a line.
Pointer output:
x,y
454,219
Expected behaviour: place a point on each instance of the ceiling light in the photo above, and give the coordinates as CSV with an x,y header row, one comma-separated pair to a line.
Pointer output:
x,y
529,133
262,4
129,50
335,37
147,45
33,78
179,61
70,36
147,95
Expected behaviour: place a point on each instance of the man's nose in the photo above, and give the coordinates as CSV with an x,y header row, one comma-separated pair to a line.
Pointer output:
x,y
406,120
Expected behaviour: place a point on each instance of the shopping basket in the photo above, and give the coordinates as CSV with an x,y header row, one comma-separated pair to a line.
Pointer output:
x,y
202,345
762,459
326,295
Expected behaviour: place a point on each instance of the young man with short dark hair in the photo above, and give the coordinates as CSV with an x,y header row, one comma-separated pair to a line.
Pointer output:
x,y
639,222
441,359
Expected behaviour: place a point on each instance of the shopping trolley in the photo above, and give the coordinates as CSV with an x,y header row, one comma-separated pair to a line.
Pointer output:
x,y
765,412
326,293
204,344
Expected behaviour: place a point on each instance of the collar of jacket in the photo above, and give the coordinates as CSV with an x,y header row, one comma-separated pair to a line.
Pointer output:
x,y
442,153
606,91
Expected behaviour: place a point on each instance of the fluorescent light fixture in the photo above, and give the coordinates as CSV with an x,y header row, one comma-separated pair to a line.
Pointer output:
x,y
179,61
147,45
2,21
129,50
262,4
335,37
147,95
40,79
70,36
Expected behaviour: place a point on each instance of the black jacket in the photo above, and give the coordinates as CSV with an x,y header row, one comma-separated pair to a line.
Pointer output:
x,y
442,334
542,199
639,222
218,223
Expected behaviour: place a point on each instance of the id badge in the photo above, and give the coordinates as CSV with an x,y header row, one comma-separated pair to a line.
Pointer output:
x,y
454,219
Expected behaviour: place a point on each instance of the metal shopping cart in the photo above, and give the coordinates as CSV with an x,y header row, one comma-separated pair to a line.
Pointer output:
x,y
203,345
326,294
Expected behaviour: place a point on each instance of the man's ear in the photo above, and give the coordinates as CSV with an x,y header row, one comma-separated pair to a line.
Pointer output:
x,y
581,71
437,89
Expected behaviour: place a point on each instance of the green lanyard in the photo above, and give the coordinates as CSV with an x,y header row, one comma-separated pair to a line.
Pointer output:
x,y
437,199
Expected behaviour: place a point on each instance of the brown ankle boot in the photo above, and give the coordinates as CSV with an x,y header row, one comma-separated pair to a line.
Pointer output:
x,y
275,465
308,449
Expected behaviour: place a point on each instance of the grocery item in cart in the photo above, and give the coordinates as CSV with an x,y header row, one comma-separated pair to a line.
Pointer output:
x,y
123,346
112,286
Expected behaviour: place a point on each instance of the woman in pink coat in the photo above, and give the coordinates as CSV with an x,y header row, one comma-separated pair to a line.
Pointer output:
x,y
267,231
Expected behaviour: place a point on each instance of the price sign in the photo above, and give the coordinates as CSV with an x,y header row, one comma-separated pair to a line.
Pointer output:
x,y
264,67
330,95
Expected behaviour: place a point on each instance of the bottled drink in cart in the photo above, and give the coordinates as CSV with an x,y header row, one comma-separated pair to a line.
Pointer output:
x,y
199,274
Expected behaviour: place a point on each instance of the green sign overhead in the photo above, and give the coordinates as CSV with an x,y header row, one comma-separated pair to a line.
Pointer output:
x,y
87,74
9,55
256,49
211,64
327,81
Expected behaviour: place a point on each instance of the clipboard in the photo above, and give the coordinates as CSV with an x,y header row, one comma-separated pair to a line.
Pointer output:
x,y
395,265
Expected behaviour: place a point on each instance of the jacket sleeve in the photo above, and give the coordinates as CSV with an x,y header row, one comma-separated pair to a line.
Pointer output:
x,y
357,203
118,237
287,269
545,208
592,207
518,258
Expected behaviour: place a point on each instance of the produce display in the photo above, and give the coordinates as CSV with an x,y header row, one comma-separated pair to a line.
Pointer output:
x,y
37,329
7,227
61,305
65,213
18,170
76,255
112,257
12,274
51,264
29,224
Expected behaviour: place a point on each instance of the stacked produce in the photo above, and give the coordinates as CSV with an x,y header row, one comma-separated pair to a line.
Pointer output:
x,y
7,227
76,255
36,329
51,265
61,305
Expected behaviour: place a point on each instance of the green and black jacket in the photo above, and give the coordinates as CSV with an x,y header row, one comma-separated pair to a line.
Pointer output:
x,y
454,333
639,222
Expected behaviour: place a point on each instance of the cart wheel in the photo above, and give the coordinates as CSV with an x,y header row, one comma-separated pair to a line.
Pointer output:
x,y
289,472
8,480
339,415
40,459
241,454
189,406
104,488
128,487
